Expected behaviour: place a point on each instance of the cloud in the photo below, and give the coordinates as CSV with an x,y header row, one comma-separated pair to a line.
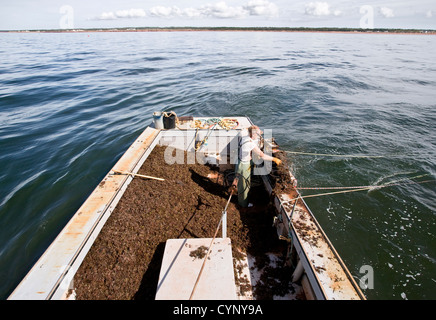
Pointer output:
x,y
191,13
164,12
222,10
122,14
174,11
429,14
262,8
215,10
320,9
387,12
219,10
132,13
317,9
337,13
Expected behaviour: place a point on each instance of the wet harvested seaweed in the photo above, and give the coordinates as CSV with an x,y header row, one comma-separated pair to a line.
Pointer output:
x,y
280,177
199,253
125,259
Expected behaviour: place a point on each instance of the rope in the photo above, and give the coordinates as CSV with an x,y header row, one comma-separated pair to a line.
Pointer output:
x,y
227,124
337,155
138,175
392,183
199,144
361,189
168,114
329,193
210,124
210,246
198,124
236,174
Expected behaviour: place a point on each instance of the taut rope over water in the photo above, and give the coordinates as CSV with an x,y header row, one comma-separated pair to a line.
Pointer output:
x,y
361,188
340,155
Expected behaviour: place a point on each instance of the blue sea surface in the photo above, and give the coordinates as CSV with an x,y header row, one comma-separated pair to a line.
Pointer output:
x,y
72,103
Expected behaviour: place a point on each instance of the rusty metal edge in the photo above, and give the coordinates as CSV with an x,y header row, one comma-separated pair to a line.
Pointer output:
x,y
308,267
313,278
338,257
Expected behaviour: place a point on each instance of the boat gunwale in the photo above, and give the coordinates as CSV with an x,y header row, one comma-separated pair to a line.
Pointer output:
x,y
295,237
336,254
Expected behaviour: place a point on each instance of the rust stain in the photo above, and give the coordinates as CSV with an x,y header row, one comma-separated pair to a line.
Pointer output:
x,y
323,260
337,281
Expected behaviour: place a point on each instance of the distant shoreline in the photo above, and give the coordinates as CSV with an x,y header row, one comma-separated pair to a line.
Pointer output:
x,y
235,29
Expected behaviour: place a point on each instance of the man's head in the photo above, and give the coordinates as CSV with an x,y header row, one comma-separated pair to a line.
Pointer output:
x,y
254,132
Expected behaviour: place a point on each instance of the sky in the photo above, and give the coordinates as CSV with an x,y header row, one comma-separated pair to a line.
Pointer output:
x,y
77,14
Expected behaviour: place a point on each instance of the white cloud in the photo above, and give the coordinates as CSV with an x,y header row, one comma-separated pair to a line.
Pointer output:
x,y
120,14
318,9
262,8
222,10
321,9
387,12
174,11
132,13
192,13
429,14
164,12
107,16
219,10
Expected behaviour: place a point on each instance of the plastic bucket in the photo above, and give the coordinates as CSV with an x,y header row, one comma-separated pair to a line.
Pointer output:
x,y
158,120
169,121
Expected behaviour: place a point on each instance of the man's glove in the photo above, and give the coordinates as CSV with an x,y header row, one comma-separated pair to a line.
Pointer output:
x,y
277,161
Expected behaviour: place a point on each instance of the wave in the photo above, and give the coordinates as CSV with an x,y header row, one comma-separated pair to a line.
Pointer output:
x,y
70,107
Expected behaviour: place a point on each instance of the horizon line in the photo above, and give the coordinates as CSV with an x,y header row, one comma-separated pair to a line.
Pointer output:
x,y
224,28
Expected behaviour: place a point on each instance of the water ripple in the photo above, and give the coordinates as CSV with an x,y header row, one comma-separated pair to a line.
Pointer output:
x,y
70,105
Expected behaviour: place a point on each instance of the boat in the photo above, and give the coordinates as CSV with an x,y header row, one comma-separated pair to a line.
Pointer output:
x,y
191,265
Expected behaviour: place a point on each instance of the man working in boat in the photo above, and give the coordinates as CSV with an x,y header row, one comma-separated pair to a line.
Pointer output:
x,y
248,144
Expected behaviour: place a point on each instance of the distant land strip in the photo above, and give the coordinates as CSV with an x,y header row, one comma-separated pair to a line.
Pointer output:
x,y
261,29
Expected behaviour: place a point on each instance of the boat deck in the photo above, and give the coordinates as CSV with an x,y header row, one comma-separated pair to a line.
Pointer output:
x,y
52,276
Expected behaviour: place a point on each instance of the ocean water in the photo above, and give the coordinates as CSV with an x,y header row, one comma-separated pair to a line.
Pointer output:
x,y
71,104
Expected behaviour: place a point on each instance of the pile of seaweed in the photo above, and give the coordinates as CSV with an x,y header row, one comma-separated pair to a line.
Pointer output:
x,y
125,259
280,177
